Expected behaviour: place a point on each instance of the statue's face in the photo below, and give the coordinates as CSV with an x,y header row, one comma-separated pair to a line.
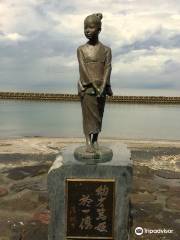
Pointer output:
x,y
91,30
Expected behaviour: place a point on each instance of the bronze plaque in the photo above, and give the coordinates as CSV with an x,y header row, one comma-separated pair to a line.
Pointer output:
x,y
90,208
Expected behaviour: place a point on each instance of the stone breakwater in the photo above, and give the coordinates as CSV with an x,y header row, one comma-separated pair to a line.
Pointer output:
x,y
74,97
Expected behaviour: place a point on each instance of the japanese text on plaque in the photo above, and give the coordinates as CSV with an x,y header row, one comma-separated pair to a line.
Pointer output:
x,y
90,208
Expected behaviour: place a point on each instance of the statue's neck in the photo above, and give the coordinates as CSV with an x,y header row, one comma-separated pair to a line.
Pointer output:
x,y
94,41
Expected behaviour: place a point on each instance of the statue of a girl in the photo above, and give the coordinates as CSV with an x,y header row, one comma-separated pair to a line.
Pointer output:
x,y
94,84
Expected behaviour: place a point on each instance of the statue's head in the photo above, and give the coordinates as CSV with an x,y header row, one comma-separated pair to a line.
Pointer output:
x,y
92,25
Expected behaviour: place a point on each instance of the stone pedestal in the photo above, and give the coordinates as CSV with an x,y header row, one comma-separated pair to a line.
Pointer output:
x,y
90,200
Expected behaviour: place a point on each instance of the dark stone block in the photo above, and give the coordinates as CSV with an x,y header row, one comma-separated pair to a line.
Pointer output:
x,y
66,167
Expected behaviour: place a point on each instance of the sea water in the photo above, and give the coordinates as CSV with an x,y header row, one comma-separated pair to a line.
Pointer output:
x,y
64,119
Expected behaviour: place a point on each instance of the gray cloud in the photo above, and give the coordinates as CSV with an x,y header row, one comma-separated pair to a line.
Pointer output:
x,y
171,66
143,81
38,42
160,38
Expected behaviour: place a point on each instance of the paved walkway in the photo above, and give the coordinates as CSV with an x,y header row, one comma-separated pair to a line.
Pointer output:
x,y
24,164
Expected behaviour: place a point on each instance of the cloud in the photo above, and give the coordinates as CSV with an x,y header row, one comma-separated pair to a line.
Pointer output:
x,y
14,37
161,38
171,66
39,40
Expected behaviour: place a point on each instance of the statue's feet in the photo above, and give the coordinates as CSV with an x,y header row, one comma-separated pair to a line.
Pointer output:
x,y
95,145
89,148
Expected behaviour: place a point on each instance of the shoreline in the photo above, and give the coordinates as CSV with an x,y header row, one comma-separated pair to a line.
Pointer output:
x,y
82,139
47,145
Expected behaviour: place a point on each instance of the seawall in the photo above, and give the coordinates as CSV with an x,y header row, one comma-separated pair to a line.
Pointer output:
x,y
74,97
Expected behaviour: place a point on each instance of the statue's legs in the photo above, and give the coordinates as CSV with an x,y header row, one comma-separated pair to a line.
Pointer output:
x,y
89,147
95,141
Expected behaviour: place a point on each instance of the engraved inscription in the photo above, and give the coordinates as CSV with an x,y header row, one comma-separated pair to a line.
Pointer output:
x,y
90,208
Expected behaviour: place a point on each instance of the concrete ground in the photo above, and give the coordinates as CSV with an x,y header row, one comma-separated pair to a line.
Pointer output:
x,y
24,164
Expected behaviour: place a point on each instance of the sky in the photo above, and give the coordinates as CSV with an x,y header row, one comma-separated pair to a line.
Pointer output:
x,y
39,38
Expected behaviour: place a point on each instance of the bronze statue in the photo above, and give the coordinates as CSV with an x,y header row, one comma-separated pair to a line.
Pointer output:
x,y
94,84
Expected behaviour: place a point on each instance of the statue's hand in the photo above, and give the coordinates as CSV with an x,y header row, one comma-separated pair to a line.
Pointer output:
x,y
101,91
97,90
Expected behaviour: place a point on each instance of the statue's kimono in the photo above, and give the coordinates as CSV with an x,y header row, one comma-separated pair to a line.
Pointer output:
x,y
94,69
